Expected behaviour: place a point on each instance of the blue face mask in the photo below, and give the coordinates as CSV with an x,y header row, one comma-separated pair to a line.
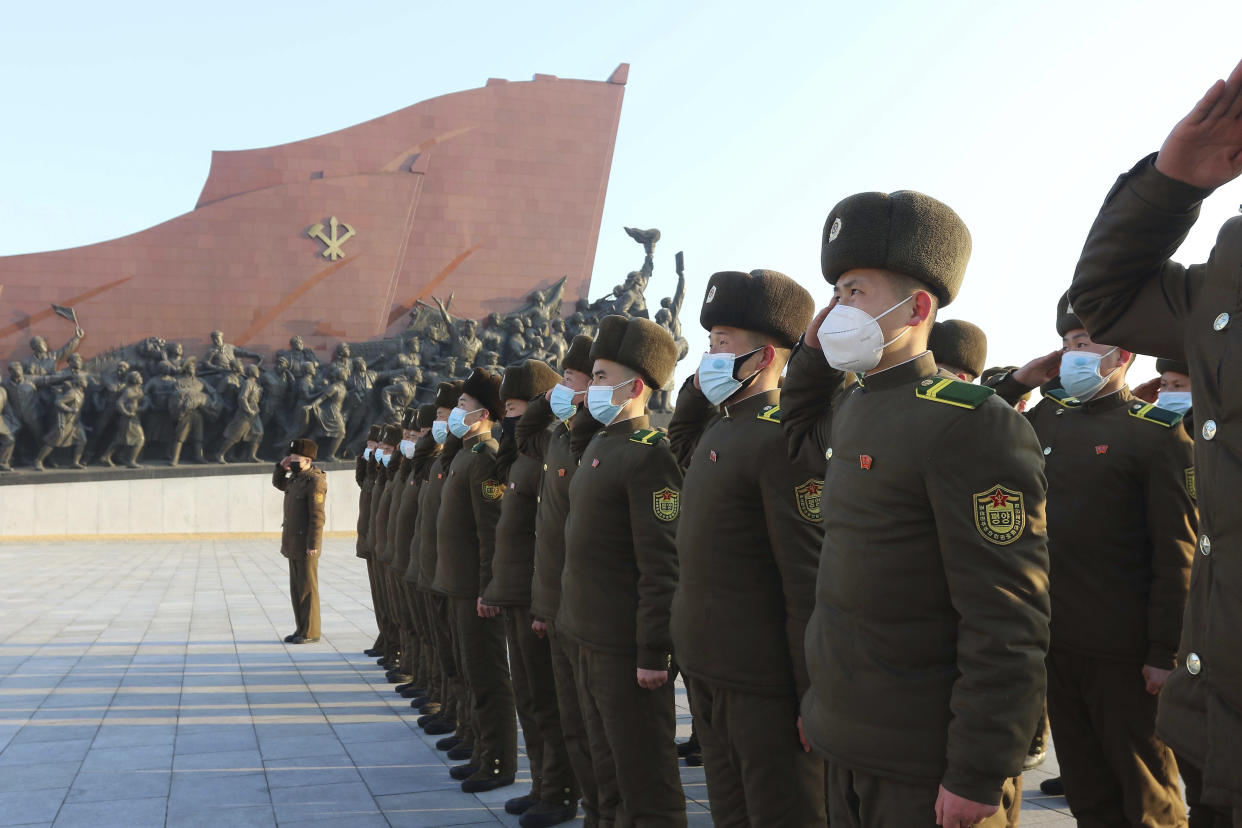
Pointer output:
x,y
386,458
457,422
439,431
716,375
1178,401
599,402
562,401
1080,373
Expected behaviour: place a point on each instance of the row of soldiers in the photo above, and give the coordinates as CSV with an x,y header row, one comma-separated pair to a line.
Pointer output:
x,y
879,579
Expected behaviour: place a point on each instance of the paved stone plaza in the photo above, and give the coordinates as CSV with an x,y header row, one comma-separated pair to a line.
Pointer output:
x,y
144,683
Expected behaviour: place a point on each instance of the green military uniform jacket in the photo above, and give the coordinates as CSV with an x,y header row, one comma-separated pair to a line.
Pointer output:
x,y
1121,525
1129,293
469,510
427,523
515,534
620,553
377,490
425,453
926,646
305,493
383,507
398,556
748,545
364,475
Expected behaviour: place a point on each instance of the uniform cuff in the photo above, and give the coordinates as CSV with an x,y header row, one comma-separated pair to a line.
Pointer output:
x,y
972,785
1162,192
1161,657
653,660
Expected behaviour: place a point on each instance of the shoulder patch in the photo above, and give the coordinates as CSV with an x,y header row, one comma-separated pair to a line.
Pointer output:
x,y
1062,398
770,414
1154,414
319,497
666,504
476,448
1000,515
491,489
647,436
807,497
953,392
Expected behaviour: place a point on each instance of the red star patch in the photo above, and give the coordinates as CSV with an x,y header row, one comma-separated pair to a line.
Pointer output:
x,y
595,462
712,455
1101,449
560,472
864,461
1000,499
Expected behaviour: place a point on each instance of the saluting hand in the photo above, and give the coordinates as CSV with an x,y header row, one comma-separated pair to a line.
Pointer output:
x,y
1040,370
811,338
652,679
953,811
1148,391
1205,148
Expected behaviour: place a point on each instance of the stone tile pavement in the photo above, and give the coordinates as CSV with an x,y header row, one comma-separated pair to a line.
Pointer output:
x,y
144,683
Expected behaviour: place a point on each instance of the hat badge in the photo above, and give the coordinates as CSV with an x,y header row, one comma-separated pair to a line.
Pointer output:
x,y
835,230
711,294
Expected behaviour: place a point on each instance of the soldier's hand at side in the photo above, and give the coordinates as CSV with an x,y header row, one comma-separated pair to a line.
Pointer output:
x,y
953,811
539,628
1155,678
1040,370
1205,148
652,679
1148,391
485,610
811,339
806,746
310,553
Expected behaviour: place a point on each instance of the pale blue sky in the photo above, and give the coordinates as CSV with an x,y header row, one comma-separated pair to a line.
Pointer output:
x,y
743,123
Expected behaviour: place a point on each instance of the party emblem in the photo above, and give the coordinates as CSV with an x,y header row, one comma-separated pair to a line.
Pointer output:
x,y
666,504
807,496
864,462
999,515
492,490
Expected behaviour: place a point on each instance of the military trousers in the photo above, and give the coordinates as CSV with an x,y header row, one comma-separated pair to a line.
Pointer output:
x,y
454,697
857,799
757,772
534,685
375,607
481,646
1115,770
632,732
577,746
426,670
1201,815
304,593
411,651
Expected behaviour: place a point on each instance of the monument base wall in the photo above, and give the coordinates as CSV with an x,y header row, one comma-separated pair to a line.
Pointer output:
x,y
243,503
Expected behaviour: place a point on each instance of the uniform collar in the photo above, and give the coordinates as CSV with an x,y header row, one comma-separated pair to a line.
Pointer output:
x,y
905,373
751,404
1117,399
470,442
629,426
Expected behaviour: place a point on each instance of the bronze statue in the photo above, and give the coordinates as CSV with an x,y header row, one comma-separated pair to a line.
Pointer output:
x,y
129,405
221,354
67,430
246,426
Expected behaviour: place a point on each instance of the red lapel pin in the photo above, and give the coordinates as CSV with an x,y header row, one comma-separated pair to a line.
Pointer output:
x,y
864,461
712,455
595,462
1101,449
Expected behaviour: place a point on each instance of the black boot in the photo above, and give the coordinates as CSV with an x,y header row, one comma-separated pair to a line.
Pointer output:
x,y
461,753
520,804
448,743
1052,787
544,814
460,772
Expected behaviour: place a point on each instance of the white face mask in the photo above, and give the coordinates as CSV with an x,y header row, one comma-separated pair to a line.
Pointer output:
x,y
457,422
599,402
407,449
1178,401
853,340
385,458
439,431
1080,373
366,455
716,375
562,401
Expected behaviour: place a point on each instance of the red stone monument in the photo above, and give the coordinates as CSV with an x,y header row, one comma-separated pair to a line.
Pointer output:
x,y
489,194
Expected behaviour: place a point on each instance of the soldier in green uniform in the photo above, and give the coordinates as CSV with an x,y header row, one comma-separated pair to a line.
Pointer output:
x,y
926,647
466,541
417,449
1119,585
365,469
449,710
748,546
390,438
305,488
960,347
619,577
553,798
398,554
1127,290
545,434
